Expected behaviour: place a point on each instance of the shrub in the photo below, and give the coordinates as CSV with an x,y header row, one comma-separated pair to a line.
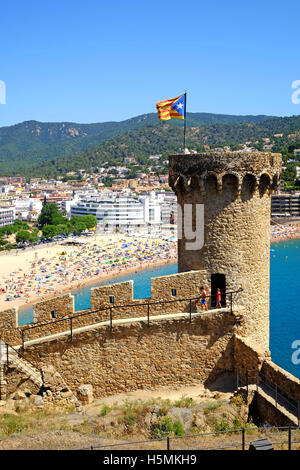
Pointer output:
x,y
163,411
12,424
211,407
132,412
184,402
238,401
221,426
166,427
106,409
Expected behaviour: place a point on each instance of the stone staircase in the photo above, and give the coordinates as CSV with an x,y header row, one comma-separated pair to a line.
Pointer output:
x,y
52,389
21,365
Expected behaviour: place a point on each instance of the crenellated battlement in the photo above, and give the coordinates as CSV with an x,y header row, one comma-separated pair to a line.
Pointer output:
x,y
234,190
244,171
169,294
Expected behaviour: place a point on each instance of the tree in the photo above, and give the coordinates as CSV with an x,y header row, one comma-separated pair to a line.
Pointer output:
x,y
23,236
108,182
50,215
89,220
289,174
50,231
34,236
63,229
21,225
79,227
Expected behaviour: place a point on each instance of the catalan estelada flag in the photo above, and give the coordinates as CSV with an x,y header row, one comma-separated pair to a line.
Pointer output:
x,y
171,109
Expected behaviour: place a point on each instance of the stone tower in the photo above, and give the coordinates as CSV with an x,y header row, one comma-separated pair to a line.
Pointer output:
x,y
235,189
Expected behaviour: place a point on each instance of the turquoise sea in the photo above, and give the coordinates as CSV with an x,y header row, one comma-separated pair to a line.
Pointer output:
x,y
284,302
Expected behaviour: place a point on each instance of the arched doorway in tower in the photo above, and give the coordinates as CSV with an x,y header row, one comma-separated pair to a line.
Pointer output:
x,y
218,281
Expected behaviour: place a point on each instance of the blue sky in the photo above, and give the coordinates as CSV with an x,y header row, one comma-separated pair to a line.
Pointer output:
x,y
95,60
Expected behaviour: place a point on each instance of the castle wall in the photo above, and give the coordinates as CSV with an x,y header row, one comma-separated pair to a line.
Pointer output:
x,y
249,357
62,306
9,330
263,408
284,380
186,285
9,318
135,356
17,380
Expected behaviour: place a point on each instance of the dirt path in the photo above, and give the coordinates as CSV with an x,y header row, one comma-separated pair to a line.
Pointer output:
x,y
224,386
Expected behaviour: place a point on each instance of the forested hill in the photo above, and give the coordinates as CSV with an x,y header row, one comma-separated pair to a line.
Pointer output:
x,y
32,142
164,138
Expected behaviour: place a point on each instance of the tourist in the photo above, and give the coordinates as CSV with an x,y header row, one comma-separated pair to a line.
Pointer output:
x,y
203,299
218,299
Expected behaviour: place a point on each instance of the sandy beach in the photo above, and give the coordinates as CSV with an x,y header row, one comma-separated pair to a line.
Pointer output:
x,y
29,276
285,232
37,274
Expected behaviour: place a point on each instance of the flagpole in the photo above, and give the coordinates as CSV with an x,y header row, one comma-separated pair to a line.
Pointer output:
x,y
184,132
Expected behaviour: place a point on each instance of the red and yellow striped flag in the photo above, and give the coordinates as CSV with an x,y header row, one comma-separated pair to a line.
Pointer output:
x,y
171,109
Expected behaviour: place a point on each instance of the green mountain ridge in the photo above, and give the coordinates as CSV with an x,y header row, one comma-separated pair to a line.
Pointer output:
x,y
33,142
165,138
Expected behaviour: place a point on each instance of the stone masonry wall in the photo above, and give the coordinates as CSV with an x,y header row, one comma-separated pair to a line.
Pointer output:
x,y
186,285
9,331
136,356
284,380
234,188
248,357
17,380
263,408
62,306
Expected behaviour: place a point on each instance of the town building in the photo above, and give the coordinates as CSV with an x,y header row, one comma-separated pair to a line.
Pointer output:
x,y
7,215
123,210
285,205
27,208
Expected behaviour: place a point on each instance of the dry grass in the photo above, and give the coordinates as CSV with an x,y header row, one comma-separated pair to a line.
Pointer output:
x,y
135,421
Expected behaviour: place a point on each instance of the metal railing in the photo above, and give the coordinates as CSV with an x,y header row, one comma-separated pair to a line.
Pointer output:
x,y
148,304
6,362
280,395
169,441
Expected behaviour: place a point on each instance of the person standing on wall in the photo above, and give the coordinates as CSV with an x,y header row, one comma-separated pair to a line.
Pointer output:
x,y
203,299
218,299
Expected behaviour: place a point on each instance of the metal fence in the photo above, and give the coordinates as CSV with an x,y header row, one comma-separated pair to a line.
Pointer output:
x,y
227,302
285,438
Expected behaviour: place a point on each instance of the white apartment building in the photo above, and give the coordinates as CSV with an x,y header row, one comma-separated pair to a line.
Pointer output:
x,y
111,210
7,215
157,209
167,202
27,208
